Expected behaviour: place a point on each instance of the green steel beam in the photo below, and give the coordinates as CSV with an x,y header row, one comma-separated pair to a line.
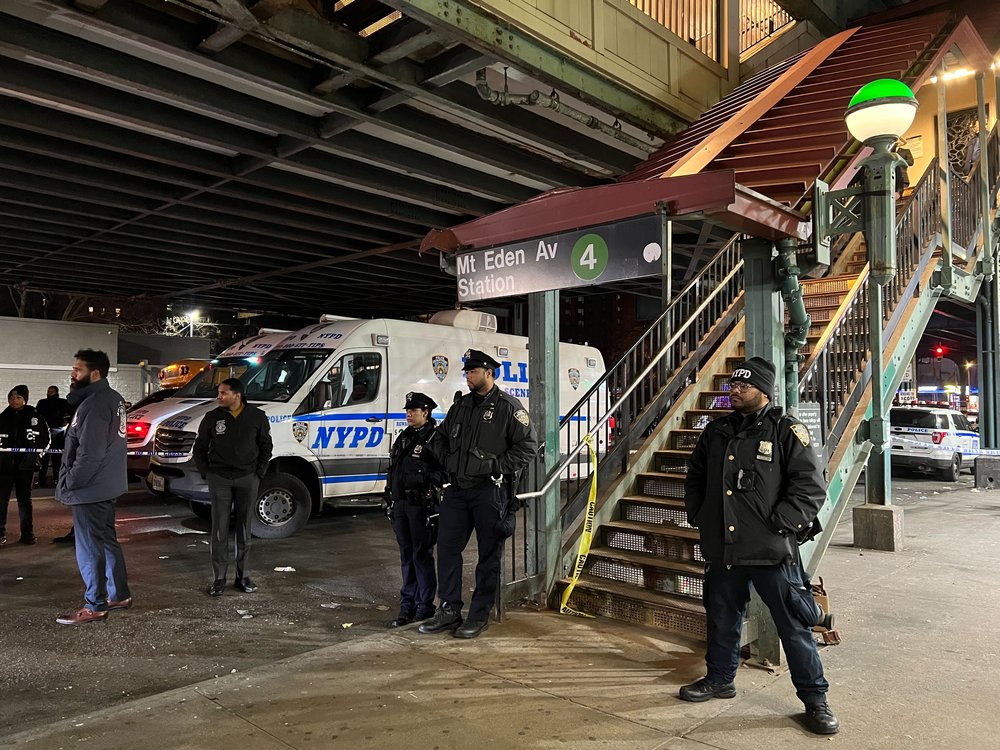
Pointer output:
x,y
477,28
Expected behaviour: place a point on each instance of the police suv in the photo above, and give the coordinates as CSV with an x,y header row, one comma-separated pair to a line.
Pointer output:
x,y
333,393
931,439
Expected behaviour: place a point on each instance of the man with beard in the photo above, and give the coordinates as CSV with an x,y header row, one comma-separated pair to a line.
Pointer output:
x,y
754,486
92,476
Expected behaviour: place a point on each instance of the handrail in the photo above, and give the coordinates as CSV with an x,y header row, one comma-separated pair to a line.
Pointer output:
x,y
556,473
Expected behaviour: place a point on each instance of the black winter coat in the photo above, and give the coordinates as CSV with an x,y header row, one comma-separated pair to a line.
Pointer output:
x,y
231,446
751,491
21,428
487,439
413,469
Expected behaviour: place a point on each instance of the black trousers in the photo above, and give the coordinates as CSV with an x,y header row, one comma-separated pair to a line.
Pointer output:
x,y
726,594
231,497
416,557
461,512
20,483
58,442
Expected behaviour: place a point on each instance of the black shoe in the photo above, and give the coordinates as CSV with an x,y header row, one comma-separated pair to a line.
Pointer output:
x,y
471,628
403,618
217,587
27,539
827,623
444,619
704,689
423,615
3,539
820,719
69,538
245,585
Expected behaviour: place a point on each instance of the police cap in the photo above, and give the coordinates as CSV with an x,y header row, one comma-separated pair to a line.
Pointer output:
x,y
475,358
417,400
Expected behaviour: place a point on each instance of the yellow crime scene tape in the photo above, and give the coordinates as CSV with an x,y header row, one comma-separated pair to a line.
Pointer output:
x,y
585,538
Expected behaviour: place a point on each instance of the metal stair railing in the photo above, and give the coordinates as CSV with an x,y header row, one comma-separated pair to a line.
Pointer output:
x,y
627,401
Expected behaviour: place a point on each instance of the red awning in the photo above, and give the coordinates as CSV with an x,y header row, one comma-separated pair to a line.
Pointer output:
x,y
711,196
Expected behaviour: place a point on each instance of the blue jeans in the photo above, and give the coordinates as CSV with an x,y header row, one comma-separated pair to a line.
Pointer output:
x,y
98,554
726,594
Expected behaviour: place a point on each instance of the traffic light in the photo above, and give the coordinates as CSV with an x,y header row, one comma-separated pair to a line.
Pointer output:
x,y
938,352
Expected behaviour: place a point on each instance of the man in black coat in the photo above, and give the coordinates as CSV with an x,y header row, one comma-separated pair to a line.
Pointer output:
x,y
22,432
754,487
56,412
232,451
487,440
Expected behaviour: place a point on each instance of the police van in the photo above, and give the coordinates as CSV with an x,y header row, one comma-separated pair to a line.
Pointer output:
x,y
143,419
930,439
334,393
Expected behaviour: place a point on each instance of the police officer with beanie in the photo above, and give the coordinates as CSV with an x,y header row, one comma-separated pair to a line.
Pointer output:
x,y
753,489
24,432
415,476
488,439
232,451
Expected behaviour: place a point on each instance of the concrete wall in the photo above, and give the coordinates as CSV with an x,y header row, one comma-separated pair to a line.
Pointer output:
x,y
52,343
161,350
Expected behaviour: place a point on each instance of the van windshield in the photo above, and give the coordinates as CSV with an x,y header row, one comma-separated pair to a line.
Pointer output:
x,y
281,374
916,418
206,383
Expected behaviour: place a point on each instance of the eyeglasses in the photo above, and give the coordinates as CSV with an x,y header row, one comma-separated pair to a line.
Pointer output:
x,y
739,386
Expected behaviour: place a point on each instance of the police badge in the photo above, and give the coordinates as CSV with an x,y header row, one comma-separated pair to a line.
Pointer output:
x,y
440,364
574,378
522,416
300,430
765,450
220,427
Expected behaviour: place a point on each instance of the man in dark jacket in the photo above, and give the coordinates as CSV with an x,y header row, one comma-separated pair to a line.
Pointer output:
x,y
753,488
56,413
23,433
232,452
488,439
92,476
415,476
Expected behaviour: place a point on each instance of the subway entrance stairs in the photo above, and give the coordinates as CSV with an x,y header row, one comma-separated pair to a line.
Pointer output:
x,y
644,566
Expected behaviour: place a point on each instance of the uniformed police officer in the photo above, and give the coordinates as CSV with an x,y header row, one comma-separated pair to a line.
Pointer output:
x,y
487,440
415,476
753,489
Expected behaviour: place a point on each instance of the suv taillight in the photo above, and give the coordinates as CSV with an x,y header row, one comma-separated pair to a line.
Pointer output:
x,y
938,437
138,429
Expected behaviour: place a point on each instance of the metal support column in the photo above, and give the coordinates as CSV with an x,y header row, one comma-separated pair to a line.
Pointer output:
x,y
944,181
765,317
667,287
985,326
543,382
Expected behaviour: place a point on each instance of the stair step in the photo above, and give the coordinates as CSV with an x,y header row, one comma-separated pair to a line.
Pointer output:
x,y
684,439
714,400
660,484
698,419
662,516
671,461
637,606
648,572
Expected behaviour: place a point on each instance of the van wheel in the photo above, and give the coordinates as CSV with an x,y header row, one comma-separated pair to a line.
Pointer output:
x,y
283,506
951,473
201,510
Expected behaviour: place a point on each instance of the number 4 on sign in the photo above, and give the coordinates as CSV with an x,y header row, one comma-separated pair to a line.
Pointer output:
x,y
588,258
546,252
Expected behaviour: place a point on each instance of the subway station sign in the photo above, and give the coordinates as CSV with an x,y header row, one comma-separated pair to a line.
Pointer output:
x,y
595,255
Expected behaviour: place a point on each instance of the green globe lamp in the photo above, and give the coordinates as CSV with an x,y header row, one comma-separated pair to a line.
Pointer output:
x,y
881,109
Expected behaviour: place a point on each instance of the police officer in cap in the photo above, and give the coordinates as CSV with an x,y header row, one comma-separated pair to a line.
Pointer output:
x,y
415,476
754,487
487,440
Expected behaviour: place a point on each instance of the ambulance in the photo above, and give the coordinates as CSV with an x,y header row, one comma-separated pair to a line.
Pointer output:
x,y
334,394
180,373
143,419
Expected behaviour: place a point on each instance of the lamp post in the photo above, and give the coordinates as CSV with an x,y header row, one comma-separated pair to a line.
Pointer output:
x,y
192,317
878,114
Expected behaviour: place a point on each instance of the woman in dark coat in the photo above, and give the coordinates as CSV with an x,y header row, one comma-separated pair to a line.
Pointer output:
x,y
414,479
20,428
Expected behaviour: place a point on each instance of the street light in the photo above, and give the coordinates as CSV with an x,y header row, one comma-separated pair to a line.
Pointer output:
x,y
192,316
878,114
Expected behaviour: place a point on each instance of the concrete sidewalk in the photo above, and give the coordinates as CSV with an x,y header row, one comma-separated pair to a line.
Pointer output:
x,y
918,668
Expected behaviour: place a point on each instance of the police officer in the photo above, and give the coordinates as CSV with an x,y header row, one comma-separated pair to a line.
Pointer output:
x,y
487,440
415,477
24,432
753,489
232,451
56,413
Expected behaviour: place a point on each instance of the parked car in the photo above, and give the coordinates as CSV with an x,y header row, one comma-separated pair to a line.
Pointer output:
x,y
931,439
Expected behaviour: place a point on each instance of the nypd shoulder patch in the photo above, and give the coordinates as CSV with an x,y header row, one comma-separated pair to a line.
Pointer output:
x,y
522,416
802,433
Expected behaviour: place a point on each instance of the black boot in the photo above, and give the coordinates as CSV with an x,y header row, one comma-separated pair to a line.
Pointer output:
x,y
820,719
444,619
704,689
403,618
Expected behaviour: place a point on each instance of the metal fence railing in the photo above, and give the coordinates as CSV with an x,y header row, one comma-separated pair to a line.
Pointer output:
x,y
760,20
697,22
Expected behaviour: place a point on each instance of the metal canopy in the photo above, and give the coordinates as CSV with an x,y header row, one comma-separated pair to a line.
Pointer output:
x,y
283,155
712,197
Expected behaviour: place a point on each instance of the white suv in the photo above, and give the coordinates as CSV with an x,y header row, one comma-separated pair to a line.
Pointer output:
x,y
927,438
